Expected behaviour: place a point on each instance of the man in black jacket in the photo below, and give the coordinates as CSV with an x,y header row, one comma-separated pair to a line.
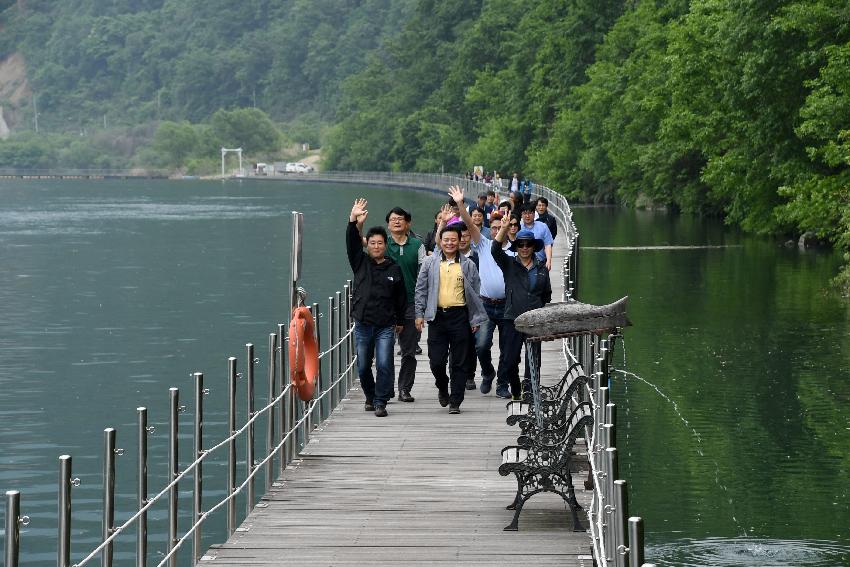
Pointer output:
x,y
527,287
542,214
378,303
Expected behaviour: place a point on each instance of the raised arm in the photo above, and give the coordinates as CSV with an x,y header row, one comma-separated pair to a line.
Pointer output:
x,y
499,255
445,215
456,193
353,240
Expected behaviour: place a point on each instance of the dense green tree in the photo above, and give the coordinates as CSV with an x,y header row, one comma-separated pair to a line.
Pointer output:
x,y
248,128
174,142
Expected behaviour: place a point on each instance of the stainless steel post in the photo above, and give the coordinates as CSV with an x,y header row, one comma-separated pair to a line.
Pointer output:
x,y
349,323
636,542
13,531
601,395
323,369
574,256
142,488
63,556
343,320
231,444
249,449
611,473
331,357
314,311
198,475
621,512
284,423
173,463
270,418
108,492
338,351
610,421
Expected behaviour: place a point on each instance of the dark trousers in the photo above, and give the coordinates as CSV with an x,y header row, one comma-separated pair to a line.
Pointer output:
x,y
508,372
450,341
408,340
484,339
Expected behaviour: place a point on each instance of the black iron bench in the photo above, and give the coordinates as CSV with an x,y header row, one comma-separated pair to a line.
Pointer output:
x,y
541,463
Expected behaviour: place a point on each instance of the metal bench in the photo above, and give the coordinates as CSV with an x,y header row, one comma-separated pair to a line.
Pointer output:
x,y
541,463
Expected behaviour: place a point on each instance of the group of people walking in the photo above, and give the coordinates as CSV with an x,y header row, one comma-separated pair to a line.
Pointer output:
x,y
480,268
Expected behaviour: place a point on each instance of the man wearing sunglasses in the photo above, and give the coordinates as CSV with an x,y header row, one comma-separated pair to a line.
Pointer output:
x,y
527,287
541,232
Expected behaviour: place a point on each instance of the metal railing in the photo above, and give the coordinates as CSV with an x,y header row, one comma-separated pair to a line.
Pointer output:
x,y
81,173
295,420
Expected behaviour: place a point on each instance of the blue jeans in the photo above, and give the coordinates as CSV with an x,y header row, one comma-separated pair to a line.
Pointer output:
x,y
484,338
375,343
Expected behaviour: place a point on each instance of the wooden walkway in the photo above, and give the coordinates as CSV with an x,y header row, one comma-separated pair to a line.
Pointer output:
x,y
419,487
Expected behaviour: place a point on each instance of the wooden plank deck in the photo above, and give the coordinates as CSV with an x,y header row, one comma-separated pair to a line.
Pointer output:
x,y
419,487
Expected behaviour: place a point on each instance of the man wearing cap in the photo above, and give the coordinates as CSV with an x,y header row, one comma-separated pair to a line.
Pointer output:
x,y
377,306
527,287
408,252
492,292
540,231
447,298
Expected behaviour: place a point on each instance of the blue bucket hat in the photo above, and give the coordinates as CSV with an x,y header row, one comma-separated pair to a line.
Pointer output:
x,y
526,234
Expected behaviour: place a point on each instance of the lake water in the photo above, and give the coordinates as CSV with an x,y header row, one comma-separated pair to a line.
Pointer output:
x,y
113,292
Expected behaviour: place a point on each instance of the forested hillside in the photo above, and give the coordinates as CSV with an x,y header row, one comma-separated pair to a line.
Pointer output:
x,y
136,61
733,108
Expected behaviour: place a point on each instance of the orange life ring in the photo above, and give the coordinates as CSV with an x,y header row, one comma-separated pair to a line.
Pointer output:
x,y
303,353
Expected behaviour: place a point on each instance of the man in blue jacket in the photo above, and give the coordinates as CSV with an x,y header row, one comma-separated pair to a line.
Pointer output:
x,y
378,304
527,287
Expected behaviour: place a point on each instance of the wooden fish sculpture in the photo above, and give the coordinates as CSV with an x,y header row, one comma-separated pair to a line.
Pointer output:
x,y
558,320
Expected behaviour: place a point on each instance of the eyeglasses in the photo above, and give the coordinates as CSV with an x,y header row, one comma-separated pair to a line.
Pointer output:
x,y
514,224
524,244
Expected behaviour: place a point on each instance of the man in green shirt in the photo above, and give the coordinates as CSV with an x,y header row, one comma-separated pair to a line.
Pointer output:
x,y
408,252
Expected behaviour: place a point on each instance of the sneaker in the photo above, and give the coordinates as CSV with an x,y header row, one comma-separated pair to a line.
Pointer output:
x,y
486,385
503,393
405,396
454,409
470,384
443,398
380,411
418,349
369,406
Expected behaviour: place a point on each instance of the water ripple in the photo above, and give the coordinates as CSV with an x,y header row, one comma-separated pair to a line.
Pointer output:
x,y
745,552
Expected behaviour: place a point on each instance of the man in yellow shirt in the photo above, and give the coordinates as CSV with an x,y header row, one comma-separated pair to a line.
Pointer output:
x,y
446,296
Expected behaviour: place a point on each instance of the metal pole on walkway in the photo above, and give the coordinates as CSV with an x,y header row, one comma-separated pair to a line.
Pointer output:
x,y
636,542
320,383
173,460
285,416
270,420
343,320
108,493
249,449
63,555
338,351
13,531
621,512
142,487
323,369
612,472
331,355
198,476
231,445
